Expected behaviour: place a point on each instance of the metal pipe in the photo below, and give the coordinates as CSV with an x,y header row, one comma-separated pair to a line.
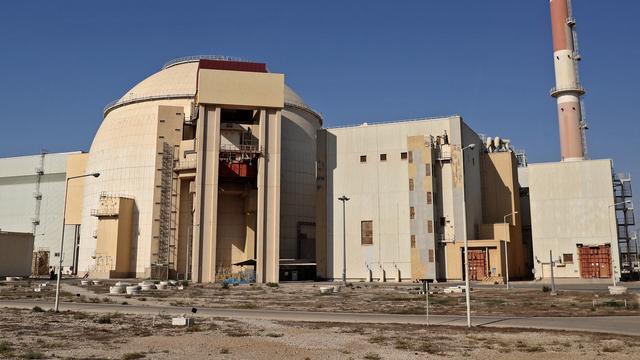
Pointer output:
x,y
506,248
344,200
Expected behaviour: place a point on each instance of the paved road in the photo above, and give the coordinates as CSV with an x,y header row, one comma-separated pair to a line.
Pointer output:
x,y
625,325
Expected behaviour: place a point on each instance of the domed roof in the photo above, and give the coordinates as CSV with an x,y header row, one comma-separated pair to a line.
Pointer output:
x,y
178,79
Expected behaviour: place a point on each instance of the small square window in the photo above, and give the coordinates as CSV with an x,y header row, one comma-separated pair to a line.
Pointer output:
x,y
411,185
403,156
429,226
363,158
567,258
427,170
412,213
383,157
431,257
429,198
410,156
413,241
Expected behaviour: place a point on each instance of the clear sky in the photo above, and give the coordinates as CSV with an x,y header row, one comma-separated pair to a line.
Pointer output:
x,y
354,61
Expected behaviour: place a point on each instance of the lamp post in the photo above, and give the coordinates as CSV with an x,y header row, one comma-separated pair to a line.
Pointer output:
x,y
613,270
64,219
466,243
506,248
344,200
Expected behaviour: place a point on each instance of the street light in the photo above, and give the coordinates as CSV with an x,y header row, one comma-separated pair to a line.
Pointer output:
x,y
613,270
344,200
506,248
466,245
64,219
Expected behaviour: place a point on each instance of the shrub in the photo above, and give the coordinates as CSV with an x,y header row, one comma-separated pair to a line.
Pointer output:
x,y
104,319
32,355
372,356
545,288
225,285
132,356
37,309
224,351
272,284
5,347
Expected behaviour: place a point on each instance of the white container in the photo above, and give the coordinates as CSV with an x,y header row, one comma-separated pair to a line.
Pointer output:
x,y
12,278
147,287
85,282
38,289
173,283
326,289
116,290
181,321
133,290
166,283
617,290
97,282
336,288
120,283
161,286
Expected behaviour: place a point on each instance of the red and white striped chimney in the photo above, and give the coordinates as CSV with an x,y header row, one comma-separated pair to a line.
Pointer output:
x,y
567,90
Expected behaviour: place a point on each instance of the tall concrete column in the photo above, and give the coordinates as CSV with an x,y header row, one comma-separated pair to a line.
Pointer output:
x,y
206,201
268,224
568,90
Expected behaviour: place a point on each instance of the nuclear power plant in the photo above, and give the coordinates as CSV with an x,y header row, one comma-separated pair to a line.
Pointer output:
x,y
212,168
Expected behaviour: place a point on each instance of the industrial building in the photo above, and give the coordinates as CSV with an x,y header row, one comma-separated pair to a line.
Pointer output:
x,y
213,168
417,189
580,210
31,201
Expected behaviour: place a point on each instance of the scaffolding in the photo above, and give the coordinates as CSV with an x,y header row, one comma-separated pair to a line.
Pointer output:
x,y
168,194
625,220
37,195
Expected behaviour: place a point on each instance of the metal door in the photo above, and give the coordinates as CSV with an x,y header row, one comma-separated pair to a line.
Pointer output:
x,y
595,261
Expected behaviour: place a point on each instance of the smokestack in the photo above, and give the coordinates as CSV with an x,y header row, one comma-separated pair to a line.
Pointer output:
x,y
567,91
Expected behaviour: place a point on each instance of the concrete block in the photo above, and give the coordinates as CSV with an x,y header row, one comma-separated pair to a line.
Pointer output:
x,y
617,290
181,321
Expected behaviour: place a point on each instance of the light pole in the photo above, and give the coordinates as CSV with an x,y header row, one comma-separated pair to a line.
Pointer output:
x,y
64,219
344,200
506,248
613,270
466,243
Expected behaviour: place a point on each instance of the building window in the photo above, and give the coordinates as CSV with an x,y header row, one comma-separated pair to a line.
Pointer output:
x,y
363,158
427,169
431,255
413,241
366,232
429,198
412,213
411,185
567,258
429,226
383,157
410,157
403,156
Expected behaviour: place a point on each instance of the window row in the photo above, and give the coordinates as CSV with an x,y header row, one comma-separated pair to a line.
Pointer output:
x,y
383,157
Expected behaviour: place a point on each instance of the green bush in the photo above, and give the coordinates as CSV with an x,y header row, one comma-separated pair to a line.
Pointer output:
x,y
37,309
545,288
272,284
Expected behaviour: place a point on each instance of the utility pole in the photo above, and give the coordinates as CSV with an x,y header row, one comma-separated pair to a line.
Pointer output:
x,y
506,248
553,282
64,220
467,289
344,200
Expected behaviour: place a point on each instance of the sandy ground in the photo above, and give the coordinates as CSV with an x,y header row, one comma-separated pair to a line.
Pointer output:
x,y
359,297
74,335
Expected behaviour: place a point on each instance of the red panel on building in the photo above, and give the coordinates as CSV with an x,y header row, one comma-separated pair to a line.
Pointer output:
x,y
233,65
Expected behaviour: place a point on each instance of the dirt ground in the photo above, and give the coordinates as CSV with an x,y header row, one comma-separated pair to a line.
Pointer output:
x,y
34,334
358,297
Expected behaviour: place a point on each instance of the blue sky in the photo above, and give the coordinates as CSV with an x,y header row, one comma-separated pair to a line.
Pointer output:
x,y
354,61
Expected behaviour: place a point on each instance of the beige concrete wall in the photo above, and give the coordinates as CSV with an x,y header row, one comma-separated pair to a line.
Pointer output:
x,y
76,166
16,251
571,203
114,237
240,88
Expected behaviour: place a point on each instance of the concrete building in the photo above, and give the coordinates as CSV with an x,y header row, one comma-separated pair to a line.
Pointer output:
x,y
31,201
578,207
207,168
414,196
16,253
